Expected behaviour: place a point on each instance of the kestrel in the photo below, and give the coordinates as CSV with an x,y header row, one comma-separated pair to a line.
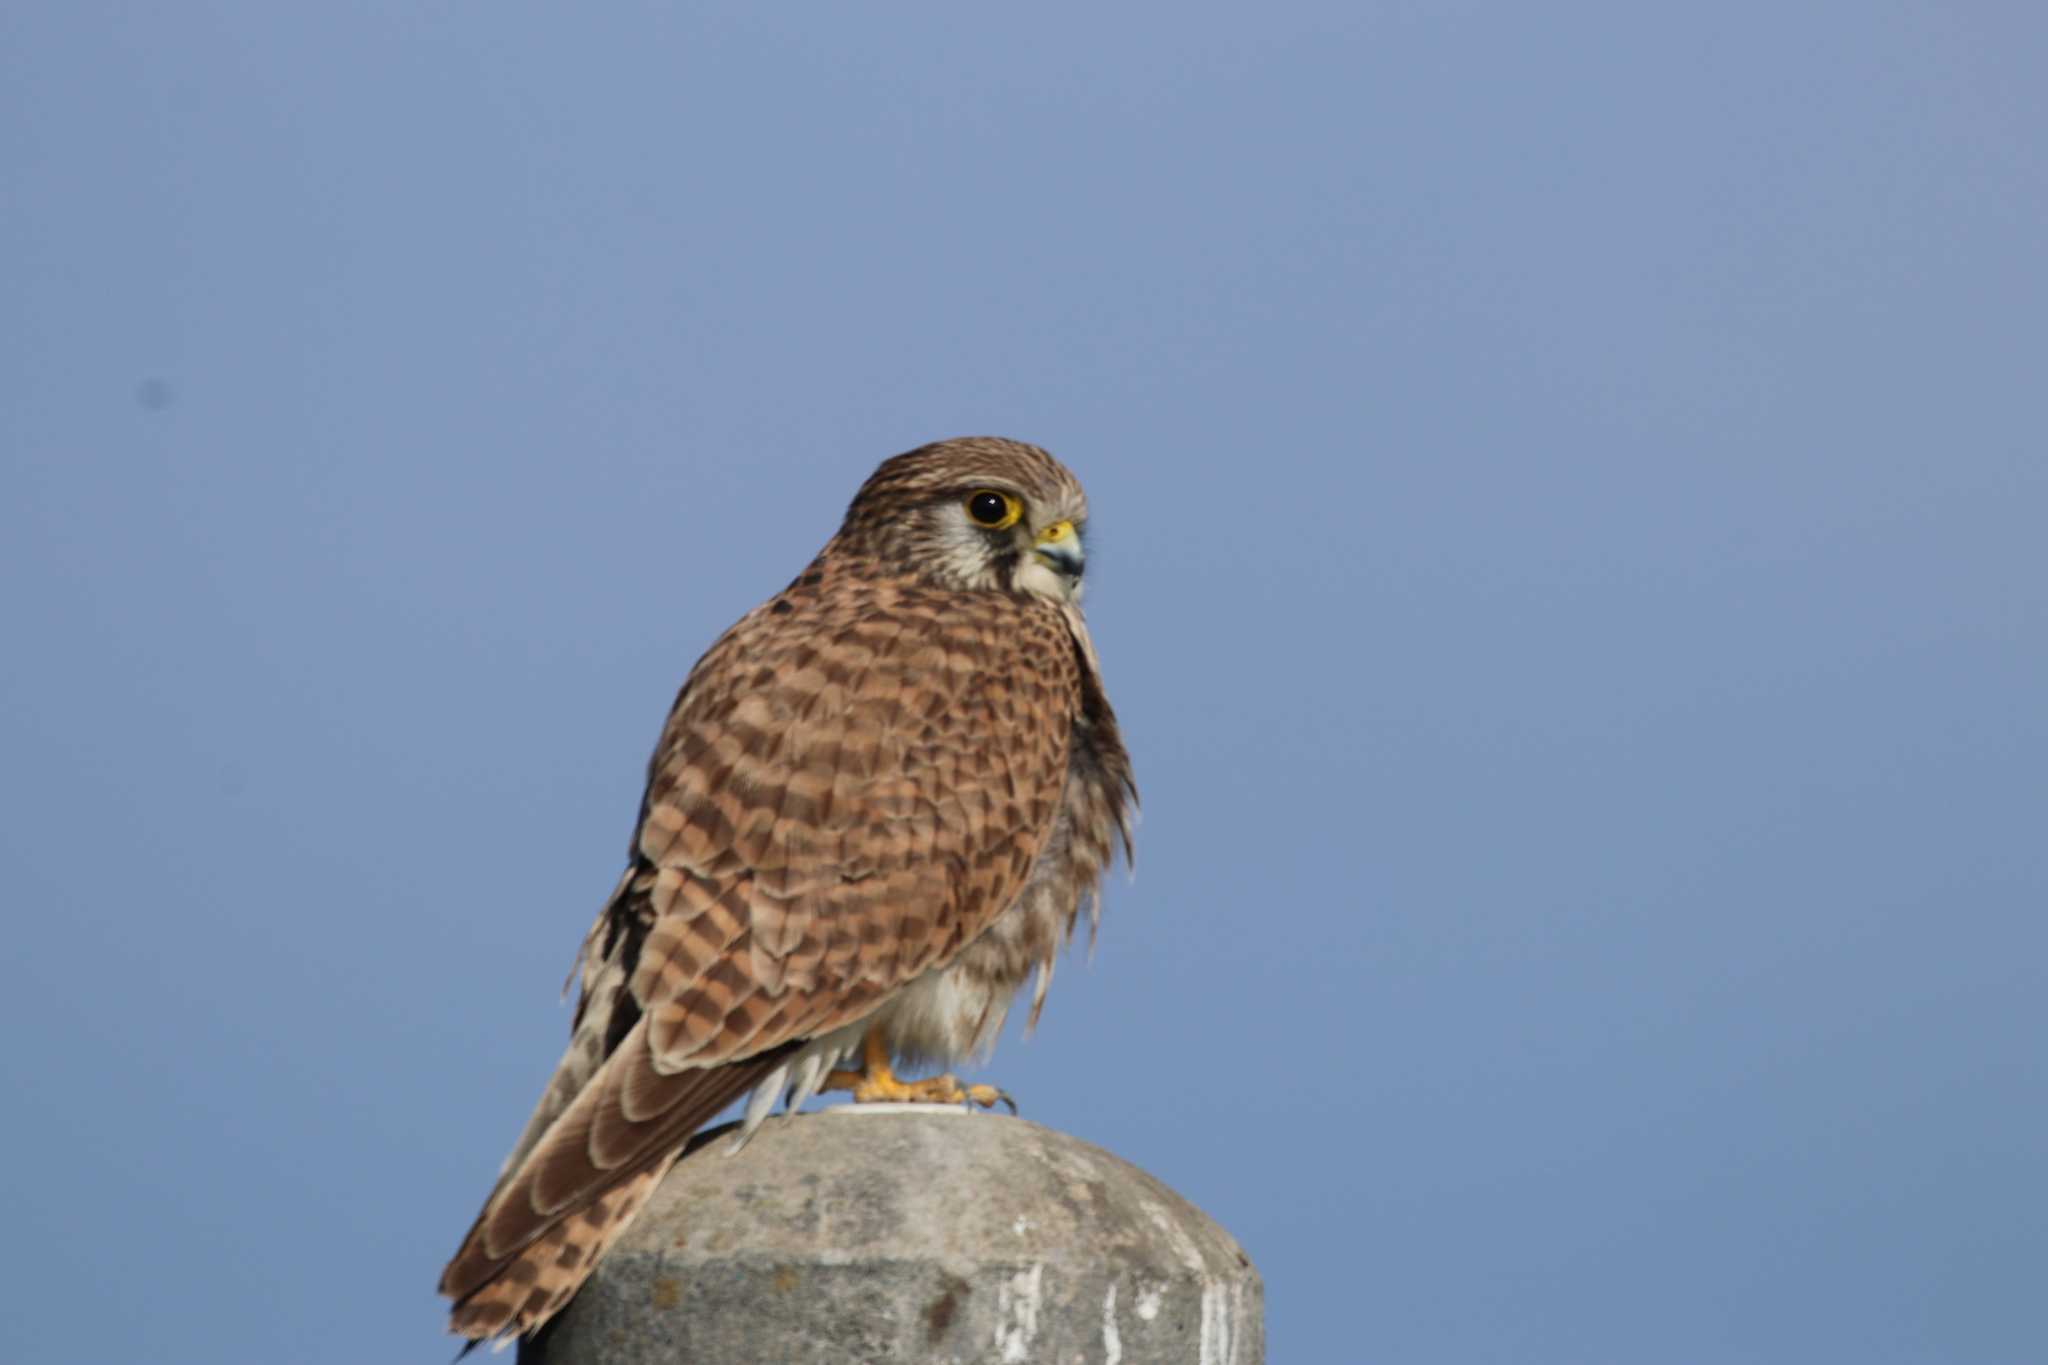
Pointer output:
x,y
877,807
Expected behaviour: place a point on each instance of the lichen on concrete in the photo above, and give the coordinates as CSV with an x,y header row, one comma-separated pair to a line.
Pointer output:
x,y
913,1233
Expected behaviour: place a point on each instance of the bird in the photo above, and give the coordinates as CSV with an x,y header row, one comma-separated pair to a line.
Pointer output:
x,y
876,810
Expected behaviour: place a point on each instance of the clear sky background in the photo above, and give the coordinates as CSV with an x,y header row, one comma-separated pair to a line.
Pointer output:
x,y
1570,551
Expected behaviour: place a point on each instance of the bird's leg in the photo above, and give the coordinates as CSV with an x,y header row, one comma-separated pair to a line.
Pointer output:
x,y
876,1081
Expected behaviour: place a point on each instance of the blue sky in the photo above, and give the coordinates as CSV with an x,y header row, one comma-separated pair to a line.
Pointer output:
x,y
1568,495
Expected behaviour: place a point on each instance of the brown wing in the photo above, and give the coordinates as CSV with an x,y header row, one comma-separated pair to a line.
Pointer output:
x,y
853,784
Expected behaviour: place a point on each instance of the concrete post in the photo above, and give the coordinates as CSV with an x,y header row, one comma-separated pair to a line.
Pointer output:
x,y
912,1233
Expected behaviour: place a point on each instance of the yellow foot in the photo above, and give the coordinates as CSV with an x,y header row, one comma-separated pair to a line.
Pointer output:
x,y
876,1082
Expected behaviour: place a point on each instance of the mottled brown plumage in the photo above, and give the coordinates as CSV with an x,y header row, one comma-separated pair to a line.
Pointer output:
x,y
879,803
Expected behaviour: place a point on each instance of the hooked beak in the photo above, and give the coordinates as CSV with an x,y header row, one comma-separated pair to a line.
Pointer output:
x,y
1059,548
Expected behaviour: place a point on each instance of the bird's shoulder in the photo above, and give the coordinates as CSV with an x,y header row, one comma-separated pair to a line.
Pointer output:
x,y
858,659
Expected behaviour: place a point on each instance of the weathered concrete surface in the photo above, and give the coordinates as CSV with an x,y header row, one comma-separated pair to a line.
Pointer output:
x,y
913,1233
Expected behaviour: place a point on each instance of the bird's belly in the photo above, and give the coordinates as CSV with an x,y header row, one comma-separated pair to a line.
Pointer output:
x,y
953,1013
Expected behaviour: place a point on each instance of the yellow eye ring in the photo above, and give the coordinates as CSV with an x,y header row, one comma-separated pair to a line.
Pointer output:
x,y
992,510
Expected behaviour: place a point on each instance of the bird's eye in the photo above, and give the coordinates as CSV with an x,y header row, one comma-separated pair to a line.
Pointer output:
x,y
996,511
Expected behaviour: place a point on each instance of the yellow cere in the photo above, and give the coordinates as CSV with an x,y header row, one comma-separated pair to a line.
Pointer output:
x,y
1057,532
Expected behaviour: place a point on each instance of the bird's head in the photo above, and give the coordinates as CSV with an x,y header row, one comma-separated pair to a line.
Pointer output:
x,y
976,512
